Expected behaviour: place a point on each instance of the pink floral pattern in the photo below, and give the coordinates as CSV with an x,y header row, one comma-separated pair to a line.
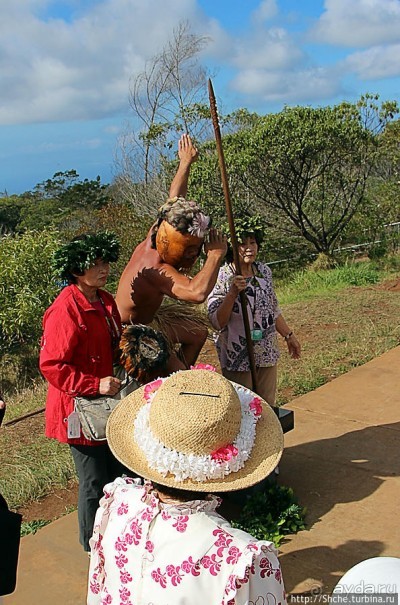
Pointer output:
x,y
223,454
223,541
211,564
122,509
256,406
121,560
173,573
172,552
203,366
149,546
181,523
151,388
159,577
124,594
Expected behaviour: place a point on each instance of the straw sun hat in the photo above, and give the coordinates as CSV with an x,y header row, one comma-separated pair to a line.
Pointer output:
x,y
198,431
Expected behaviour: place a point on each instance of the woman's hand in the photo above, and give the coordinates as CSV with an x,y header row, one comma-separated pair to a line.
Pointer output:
x,y
294,347
109,385
238,284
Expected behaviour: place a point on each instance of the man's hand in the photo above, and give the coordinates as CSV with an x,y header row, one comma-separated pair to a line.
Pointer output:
x,y
109,386
215,244
187,152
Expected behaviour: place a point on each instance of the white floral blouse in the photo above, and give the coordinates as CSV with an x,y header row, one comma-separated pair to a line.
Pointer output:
x,y
148,553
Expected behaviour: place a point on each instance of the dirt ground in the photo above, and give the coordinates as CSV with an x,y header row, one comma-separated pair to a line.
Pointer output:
x,y
64,500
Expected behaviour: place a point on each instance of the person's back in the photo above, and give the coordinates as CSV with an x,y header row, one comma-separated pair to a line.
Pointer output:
x,y
190,434
138,295
175,553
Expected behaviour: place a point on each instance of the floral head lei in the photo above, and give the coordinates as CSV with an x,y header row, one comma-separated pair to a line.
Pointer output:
x,y
216,465
185,216
82,252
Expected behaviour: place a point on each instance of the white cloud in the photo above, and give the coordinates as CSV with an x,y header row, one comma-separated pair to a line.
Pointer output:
x,y
79,69
272,49
375,63
54,70
266,10
76,145
301,86
358,23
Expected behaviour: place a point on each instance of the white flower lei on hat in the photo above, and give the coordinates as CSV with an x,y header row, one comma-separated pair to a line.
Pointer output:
x,y
218,464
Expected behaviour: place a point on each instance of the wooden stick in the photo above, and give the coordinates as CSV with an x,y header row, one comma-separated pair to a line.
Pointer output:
x,y
228,208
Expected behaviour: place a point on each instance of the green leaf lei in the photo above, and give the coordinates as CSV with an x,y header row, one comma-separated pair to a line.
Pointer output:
x,y
82,252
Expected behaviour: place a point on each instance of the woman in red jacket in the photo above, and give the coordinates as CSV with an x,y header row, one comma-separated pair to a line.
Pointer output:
x,y
81,331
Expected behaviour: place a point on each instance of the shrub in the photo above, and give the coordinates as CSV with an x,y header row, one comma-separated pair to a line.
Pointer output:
x,y
271,514
27,286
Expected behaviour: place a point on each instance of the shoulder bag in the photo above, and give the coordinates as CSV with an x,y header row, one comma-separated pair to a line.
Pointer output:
x,y
93,412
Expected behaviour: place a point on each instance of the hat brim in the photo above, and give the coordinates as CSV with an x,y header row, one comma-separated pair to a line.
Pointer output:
x,y
264,457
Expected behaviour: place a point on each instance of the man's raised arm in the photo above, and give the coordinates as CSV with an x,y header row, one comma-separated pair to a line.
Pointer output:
x,y
187,154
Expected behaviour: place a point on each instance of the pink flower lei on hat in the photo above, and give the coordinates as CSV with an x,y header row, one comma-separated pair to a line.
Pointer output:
x,y
219,463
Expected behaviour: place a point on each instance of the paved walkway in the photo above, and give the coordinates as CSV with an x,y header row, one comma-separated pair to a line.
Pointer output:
x,y
343,463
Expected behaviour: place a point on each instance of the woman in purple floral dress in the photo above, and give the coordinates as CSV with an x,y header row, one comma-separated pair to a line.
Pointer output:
x,y
265,317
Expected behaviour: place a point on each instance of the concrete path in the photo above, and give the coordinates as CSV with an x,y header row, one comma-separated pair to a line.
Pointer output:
x,y
343,462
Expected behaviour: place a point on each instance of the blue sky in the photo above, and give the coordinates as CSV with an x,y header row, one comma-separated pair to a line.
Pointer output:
x,y
65,68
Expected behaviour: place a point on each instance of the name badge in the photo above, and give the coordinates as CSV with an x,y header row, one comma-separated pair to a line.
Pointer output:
x,y
256,335
73,426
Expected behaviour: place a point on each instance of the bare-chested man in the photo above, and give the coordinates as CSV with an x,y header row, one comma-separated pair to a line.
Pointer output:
x,y
173,243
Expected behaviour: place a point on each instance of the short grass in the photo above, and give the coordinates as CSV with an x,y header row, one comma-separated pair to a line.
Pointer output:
x,y
32,466
340,326
338,332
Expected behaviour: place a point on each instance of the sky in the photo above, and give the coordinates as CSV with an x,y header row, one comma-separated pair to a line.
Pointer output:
x,y
66,67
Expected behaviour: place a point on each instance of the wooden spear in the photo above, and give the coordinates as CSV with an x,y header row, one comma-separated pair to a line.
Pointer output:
x,y
228,208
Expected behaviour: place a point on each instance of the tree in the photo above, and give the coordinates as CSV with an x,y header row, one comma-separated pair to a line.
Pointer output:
x,y
167,99
10,214
72,192
64,202
307,169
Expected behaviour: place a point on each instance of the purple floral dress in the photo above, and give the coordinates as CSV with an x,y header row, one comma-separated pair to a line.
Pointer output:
x,y
148,553
262,309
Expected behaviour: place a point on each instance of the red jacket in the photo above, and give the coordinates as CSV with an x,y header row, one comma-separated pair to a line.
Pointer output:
x,y
76,352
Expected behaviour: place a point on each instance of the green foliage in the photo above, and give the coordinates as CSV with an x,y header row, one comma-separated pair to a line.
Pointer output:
x,y
10,213
271,514
31,527
72,192
26,286
378,250
247,224
82,252
61,202
305,169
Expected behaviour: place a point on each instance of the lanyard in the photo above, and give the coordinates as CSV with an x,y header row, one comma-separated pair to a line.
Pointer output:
x,y
111,324
256,285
